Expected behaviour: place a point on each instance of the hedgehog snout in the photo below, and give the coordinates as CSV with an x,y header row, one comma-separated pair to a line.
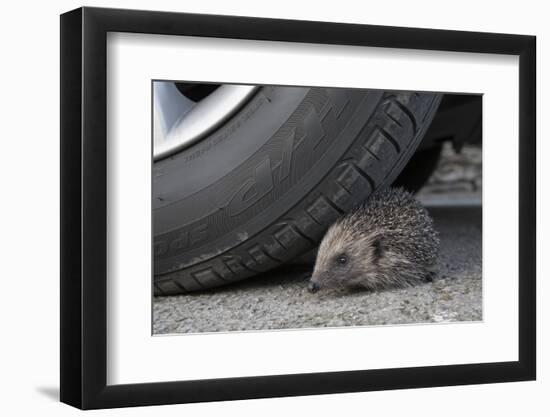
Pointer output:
x,y
313,287
318,280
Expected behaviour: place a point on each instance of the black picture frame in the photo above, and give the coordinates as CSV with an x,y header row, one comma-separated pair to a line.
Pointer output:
x,y
83,207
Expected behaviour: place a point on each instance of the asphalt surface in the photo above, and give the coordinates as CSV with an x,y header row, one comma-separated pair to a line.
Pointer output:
x,y
280,300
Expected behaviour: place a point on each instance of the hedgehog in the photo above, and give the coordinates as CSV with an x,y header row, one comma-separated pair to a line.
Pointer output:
x,y
388,241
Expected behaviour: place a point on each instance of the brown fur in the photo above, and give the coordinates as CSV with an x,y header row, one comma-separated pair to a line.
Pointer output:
x,y
388,241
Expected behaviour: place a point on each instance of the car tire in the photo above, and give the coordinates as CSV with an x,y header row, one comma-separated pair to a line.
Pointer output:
x,y
264,187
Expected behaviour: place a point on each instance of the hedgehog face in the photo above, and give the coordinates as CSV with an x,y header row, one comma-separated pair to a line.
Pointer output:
x,y
346,259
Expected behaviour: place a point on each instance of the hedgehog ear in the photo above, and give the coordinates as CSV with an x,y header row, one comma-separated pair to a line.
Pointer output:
x,y
378,247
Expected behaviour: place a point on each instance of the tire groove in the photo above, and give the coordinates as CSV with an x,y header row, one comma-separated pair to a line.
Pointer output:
x,y
273,258
197,281
245,266
396,121
334,206
391,139
219,276
313,218
407,111
372,153
364,175
224,262
300,233
180,285
344,187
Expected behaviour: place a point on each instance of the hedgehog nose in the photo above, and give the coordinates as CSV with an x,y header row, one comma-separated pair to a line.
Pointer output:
x,y
313,287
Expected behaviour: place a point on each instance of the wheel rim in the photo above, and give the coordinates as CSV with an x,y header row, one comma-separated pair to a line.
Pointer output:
x,y
180,122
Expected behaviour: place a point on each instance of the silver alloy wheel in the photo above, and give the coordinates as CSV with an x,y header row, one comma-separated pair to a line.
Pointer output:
x,y
180,122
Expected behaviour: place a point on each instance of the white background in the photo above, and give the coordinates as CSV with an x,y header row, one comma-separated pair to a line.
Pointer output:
x,y
133,60
29,221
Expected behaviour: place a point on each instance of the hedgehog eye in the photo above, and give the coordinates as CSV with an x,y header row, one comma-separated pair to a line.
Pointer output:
x,y
342,259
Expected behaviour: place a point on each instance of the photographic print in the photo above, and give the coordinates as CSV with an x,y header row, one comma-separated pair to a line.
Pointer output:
x,y
334,203
286,207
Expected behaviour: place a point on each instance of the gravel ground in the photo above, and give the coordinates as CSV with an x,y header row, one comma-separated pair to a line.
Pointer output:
x,y
279,300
